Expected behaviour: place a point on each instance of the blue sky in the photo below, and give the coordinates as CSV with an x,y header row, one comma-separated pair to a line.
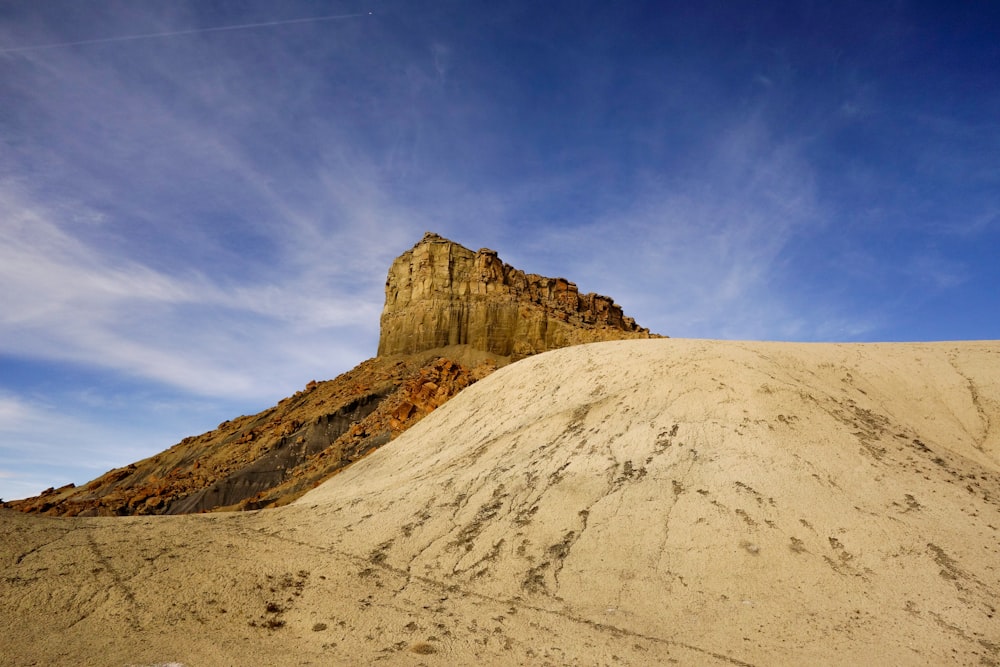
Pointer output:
x,y
199,200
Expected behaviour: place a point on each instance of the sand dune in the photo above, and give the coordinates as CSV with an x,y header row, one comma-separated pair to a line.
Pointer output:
x,y
635,502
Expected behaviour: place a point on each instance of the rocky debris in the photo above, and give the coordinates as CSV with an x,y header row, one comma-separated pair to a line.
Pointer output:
x,y
431,387
440,293
451,317
240,458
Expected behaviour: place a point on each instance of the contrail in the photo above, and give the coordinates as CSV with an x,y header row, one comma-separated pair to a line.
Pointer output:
x,y
128,38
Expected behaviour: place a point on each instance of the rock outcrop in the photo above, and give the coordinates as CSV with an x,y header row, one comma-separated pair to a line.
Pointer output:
x,y
440,293
274,456
451,317
424,391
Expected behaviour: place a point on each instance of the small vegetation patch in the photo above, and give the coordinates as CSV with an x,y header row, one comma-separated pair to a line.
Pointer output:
x,y
423,648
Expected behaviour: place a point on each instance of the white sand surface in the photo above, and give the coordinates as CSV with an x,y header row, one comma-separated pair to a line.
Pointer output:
x,y
640,502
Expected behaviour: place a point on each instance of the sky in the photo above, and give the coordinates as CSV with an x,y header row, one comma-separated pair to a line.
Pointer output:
x,y
199,201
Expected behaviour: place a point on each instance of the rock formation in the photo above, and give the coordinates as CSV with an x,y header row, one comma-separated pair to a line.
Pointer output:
x,y
273,457
439,293
451,317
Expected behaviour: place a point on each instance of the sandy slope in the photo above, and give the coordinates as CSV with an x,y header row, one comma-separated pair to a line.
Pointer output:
x,y
635,502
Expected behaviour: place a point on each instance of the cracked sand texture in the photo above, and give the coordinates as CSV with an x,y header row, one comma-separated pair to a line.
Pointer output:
x,y
634,502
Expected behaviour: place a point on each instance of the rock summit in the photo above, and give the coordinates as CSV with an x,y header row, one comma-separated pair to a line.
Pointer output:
x,y
452,316
440,293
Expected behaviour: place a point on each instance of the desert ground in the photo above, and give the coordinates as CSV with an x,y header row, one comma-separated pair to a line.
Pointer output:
x,y
645,502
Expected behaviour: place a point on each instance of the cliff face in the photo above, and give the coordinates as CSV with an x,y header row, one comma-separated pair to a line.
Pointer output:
x,y
451,317
440,293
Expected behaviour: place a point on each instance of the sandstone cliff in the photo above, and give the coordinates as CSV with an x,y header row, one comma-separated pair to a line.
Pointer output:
x,y
439,293
451,317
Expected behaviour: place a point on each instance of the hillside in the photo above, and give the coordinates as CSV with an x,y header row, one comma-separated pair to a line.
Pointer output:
x,y
451,317
633,502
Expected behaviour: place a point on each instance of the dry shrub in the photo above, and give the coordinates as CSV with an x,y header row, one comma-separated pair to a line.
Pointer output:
x,y
423,648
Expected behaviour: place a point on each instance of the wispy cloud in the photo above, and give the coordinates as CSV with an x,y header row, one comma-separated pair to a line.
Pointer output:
x,y
72,301
45,443
704,254
184,250
177,33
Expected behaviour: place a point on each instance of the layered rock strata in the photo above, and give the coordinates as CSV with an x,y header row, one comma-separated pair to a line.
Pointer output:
x,y
276,455
440,293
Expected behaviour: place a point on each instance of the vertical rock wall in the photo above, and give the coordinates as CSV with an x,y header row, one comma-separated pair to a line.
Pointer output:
x,y
440,293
